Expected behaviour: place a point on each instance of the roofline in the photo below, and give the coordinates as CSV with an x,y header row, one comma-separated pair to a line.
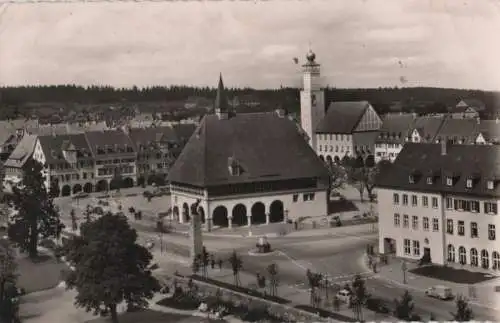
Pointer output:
x,y
437,191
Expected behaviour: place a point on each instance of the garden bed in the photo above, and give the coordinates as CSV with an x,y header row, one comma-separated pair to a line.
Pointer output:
x,y
241,289
458,276
325,313
184,303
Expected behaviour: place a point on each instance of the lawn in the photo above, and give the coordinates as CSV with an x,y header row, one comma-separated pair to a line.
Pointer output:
x,y
459,276
38,274
150,316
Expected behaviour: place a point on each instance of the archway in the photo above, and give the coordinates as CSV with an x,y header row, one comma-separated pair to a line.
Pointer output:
x,y
101,186
276,212
258,212
66,190
219,216
201,212
151,179
322,157
77,188
88,188
128,182
336,160
141,181
175,213
54,190
329,160
115,184
239,215
185,212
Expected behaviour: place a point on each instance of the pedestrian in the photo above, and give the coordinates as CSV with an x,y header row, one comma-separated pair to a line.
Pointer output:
x,y
212,262
220,264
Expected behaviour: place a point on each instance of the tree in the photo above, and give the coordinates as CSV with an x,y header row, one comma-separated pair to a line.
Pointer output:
x,y
35,213
314,282
74,223
464,311
236,266
337,176
89,210
205,260
360,295
272,270
404,307
8,266
110,266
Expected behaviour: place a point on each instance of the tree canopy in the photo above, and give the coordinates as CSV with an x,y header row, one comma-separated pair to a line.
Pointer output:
x,y
110,266
34,211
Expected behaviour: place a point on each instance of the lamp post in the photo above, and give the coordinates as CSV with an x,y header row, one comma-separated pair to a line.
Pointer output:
x,y
403,268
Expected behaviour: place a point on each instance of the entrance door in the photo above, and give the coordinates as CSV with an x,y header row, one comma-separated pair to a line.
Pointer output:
x,y
426,259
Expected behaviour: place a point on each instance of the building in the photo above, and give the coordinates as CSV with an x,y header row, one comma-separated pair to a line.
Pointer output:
x,y
11,133
458,131
312,98
349,128
68,161
467,109
440,202
156,148
488,132
393,134
115,159
13,166
247,169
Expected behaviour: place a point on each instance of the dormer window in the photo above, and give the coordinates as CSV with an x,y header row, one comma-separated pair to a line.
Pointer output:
x,y
411,179
469,183
490,185
430,181
449,181
234,167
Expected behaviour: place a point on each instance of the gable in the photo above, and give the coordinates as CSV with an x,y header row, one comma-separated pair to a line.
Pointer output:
x,y
462,104
470,110
370,121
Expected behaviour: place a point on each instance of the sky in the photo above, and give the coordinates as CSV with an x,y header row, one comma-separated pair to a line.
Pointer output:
x,y
359,43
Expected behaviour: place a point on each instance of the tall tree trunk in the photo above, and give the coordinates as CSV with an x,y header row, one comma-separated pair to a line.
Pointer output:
x,y
33,240
113,312
2,288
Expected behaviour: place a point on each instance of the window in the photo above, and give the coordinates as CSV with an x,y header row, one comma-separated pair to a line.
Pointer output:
x,y
405,199
425,223
429,180
435,225
425,201
473,257
395,198
414,200
451,253
406,220
462,255
414,222
474,206
416,248
397,220
490,208
295,197
491,232
311,196
411,179
473,230
490,185
305,197
449,226
407,246
461,228
496,260
449,203
469,183
449,181
485,259
435,202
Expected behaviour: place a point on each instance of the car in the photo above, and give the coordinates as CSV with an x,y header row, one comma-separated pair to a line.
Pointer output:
x,y
439,292
344,296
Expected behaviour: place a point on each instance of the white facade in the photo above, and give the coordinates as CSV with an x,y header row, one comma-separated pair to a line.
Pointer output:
x,y
453,229
334,146
247,209
312,101
390,150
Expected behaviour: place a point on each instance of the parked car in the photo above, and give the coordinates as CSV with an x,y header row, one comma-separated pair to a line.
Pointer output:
x,y
377,305
440,292
344,296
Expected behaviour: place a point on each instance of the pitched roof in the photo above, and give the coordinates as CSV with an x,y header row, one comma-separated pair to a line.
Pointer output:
x,y
428,126
143,136
53,146
342,117
22,152
109,143
478,162
184,131
395,128
267,147
475,103
464,130
490,129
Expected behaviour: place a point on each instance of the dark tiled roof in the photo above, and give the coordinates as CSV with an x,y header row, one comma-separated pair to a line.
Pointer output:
x,y
184,131
53,146
109,143
464,130
490,129
428,127
395,128
145,136
342,117
266,146
475,103
480,162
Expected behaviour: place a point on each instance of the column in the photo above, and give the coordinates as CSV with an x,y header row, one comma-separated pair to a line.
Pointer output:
x,y
230,221
249,220
268,215
208,224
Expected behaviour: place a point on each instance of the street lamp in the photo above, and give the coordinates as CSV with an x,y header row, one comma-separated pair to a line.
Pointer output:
x,y
403,268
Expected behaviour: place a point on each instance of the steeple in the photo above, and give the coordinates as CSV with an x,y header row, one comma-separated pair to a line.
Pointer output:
x,y
221,104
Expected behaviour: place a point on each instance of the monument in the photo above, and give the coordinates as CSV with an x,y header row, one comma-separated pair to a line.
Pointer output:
x,y
195,233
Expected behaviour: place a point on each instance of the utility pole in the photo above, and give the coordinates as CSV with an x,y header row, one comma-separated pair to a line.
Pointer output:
x,y
403,268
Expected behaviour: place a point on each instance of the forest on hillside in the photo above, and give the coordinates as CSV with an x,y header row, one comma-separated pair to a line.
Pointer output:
x,y
381,98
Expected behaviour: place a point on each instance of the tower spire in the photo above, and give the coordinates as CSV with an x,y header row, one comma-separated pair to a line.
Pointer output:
x,y
221,105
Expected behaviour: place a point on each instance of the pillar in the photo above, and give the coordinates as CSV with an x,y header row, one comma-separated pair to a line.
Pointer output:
x,y
208,224
230,221
249,220
268,216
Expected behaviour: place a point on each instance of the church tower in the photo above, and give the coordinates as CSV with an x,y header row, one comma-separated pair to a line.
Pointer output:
x,y
312,98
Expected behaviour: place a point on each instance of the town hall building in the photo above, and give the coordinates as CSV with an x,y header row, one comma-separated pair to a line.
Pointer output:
x,y
246,169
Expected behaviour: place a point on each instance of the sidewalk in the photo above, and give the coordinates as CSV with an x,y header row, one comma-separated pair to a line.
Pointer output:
x,y
393,273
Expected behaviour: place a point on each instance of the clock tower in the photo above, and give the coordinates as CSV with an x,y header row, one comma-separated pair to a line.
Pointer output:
x,y
312,98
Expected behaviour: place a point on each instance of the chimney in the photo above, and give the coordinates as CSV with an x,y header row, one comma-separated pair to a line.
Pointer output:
x,y
444,147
